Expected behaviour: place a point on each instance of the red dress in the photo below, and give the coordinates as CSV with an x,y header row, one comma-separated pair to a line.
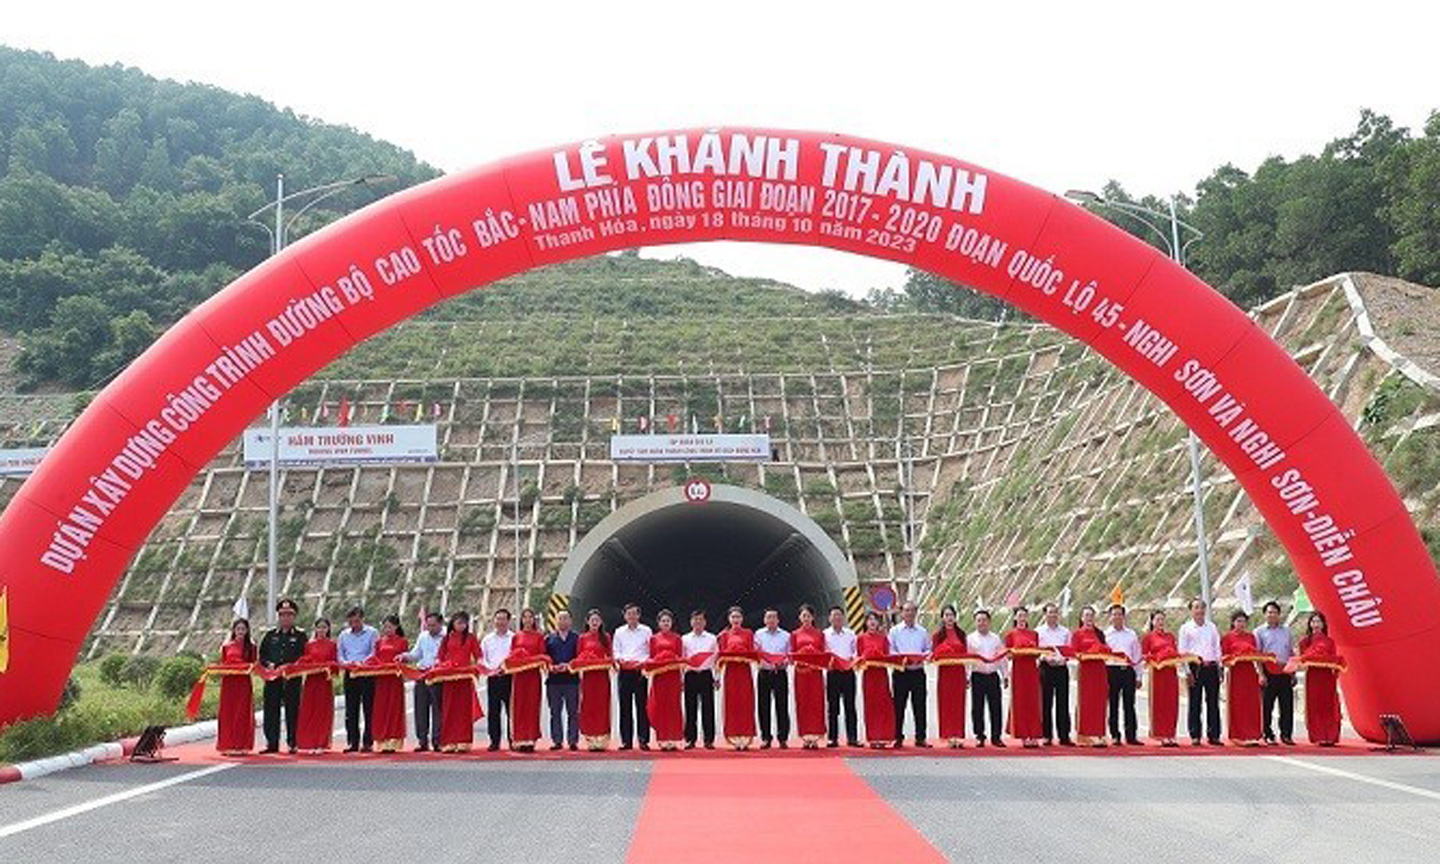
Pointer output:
x,y
236,720
950,687
1094,684
809,685
316,723
594,691
1322,695
1164,700
875,682
663,707
389,708
525,688
457,700
1243,694
739,681
1024,685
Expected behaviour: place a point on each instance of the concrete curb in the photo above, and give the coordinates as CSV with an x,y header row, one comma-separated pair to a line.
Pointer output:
x,y
103,753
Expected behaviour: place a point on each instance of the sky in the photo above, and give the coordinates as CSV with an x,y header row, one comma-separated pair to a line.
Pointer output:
x,y
1063,95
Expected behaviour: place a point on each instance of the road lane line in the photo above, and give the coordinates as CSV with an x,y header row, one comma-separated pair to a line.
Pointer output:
x,y
86,807
1361,778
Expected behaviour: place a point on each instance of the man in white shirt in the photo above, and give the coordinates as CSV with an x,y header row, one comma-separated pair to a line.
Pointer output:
x,y
772,682
1054,678
840,683
986,680
1124,680
494,648
700,682
907,637
427,696
632,648
1200,637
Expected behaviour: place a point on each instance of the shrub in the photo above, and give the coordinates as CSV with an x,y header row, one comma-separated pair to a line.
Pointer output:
x,y
176,676
112,668
140,670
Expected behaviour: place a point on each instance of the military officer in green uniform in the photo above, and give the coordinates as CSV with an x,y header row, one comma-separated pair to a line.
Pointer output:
x,y
282,645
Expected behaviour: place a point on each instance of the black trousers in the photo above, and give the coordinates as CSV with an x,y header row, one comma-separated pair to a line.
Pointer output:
x,y
633,717
283,692
1055,701
700,706
563,696
772,687
985,694
1280,689
1204,681
840,694
359,703
497,698
427,713
1122,693
909,686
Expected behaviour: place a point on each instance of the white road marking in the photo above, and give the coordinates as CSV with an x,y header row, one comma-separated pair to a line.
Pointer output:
x,y
86,807
1361,778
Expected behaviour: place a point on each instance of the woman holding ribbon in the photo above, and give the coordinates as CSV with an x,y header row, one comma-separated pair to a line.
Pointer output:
x,y
455,671
236,719
525,662
593,661
1089,646
1322,665
1023,644
950,656
664,668
872,651
807,652
736,656
1244,681
389,710
1163,658
315,729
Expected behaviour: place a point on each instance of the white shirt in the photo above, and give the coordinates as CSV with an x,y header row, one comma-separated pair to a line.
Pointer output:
x,y
495,647
1202,640
986,645
1126,642
426,650
633,644
840,642
769,641
1053,637
704,642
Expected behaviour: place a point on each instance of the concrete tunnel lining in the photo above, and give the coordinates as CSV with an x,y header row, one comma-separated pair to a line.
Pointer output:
x,y
740,547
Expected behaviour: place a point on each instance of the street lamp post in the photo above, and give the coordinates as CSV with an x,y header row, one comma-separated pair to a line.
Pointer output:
x,y
277,244
1171,238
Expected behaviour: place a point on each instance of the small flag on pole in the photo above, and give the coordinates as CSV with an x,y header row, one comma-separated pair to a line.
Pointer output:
x,y
4,629
670,421
1065,603
1117,595
419,411
644,424
767,422
719,423
615,425
1302,600
1243,593
1013,598
241,608
422,616
343,418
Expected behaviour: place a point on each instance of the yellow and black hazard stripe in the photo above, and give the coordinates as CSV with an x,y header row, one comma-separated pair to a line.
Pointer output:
x,y
558,603
854,607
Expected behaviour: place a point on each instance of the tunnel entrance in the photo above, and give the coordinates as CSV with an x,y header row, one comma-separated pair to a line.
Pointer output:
x,y
739,547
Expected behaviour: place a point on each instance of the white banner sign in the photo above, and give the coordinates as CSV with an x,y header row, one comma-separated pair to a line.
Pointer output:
x,y
20,462
690,448
341,445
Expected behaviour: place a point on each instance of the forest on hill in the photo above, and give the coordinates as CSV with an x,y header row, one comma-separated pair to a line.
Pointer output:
x,y
123,203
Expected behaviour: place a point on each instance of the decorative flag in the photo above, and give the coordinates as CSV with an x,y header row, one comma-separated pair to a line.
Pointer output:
x,y
4,629
1013,598
694,424
419,410
1302,600
436,411
423,614
1065,603
241,608
1243,595
719,423
1117,595
615,425
343,417
644,423
744,419
767,422
670,420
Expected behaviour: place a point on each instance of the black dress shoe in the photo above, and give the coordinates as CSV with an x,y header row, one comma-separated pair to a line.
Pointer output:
x,y
644,746
368,748
1049,743
1194,742
709,745
422,749
627,746
1288,742
351,749
923,745
1216,742
998,743
764,745
1135,742
853,744
574,746
274,748
784,745
494,745
689,745
1066,742
832,745
899,743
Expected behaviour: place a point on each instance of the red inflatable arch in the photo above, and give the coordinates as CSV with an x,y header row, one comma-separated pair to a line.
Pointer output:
x,y
77,522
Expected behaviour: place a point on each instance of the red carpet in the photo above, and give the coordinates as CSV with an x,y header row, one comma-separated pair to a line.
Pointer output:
x,y
778,807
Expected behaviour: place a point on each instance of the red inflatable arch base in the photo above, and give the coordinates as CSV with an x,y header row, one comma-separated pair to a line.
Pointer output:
x,y
77,522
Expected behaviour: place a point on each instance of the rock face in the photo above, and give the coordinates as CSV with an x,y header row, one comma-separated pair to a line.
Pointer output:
x,y
951,460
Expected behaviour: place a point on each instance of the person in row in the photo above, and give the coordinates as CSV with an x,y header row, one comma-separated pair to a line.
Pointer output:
x,y
680,699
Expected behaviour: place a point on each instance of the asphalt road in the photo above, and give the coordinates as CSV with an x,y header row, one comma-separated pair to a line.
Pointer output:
x,y
1153,808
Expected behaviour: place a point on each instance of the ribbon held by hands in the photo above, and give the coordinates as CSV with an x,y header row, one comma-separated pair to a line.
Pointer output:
x,y
215,670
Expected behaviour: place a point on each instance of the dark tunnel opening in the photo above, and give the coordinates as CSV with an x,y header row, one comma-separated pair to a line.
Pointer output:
x,y
706,556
